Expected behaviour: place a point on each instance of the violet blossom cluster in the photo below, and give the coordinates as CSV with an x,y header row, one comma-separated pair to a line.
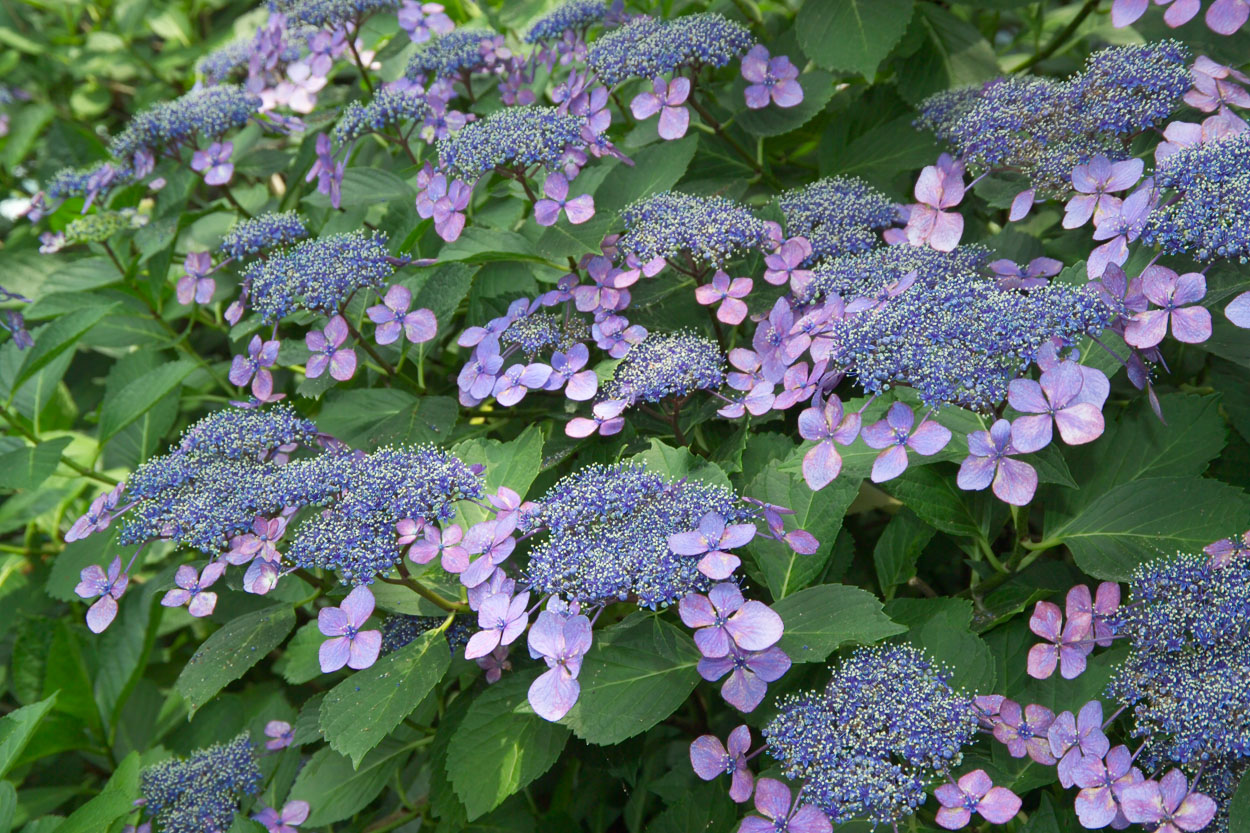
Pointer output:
x,y
1222,16
1185,624
262,489
618,533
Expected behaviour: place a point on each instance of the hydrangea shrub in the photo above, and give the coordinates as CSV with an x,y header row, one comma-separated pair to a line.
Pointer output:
x,y
622,416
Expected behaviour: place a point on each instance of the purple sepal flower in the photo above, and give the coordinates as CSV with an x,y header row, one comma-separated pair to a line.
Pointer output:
x,y
1024,731
1099,609
1120,224
1073,737
938,187
1094,182
749,673
667,99
327,172
260,356
896,435
260,541
771,78
293,814
561,641
728,293
566,372
1169,803
1102,783
93,581
975,793
712,539
502,619
1066,646
1012,276
97,517
989,461
711,759
1238,311
327,350
772,799
196,285
280,734
1053,398
492,542
192,589
826,426
494,664
556,188
446,544
393,318
724,619
607,420
518,380
1173,294
214,162
1226,17
783,265
348,645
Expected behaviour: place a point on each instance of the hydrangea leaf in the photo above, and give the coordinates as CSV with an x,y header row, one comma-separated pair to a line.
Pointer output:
x,y
336,790
28,467
370,417
16,729
501,746
898,549
358,713
776,121
140,396
853,35
231,651
636,674
1118,529
821,619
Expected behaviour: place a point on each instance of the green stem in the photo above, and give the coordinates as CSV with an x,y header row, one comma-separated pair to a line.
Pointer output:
x,y
12,420
1061,38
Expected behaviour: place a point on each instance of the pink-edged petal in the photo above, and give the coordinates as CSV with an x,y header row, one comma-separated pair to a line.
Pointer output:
x,y
707,757
1077,424
546,212
787,93
948,228
999,805
1031,433
1016,482
580,209
481,644
953,818
1191,325
645,105
929,438
202,604
719,565
553,694
101,614
889,464
1124,12
334,653
755,626
364,649
674,121
975,473
1146,329
1227,16
1043,658
821,465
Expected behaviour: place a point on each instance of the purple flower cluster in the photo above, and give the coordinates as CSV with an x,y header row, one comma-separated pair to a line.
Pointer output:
x,y
1223,16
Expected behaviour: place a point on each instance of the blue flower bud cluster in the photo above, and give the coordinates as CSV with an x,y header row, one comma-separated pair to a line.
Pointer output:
x,y
200,115
217,65
200,794
355,535
100,226
953,335
838,215
327,14
264,231
516,137
869,745
649,48
447,56
400,629
710,230
1188,626
1045,127
607,535
319,274
76,182
664,365
542,330
389,106
571,14
1208,218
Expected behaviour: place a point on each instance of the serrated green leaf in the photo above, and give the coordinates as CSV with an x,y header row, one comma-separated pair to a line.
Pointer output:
x,y
853,35
943,628
656,168
231,651
370,417
138,397
16,729
358,713
1239,807
28,467
335,790
501,746
1134,522
821,619
636,674
819,513
51,340
115,801
898,549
